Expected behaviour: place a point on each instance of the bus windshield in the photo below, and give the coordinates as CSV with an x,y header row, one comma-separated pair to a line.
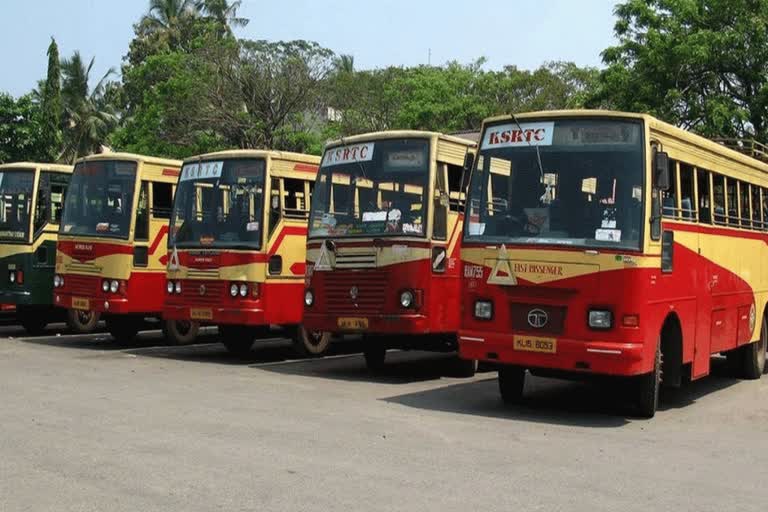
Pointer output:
x,y
15,204
219,204
99,201
587,191
373,188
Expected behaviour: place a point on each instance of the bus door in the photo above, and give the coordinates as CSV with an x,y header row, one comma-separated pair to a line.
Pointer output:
x,y
701,200
444,287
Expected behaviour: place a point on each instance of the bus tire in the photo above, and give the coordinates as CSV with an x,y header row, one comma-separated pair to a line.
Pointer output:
x,y
237,339
123,328
33,321
753,355
511,384
180,332
649,386
310,343
464,368
82,322
375,354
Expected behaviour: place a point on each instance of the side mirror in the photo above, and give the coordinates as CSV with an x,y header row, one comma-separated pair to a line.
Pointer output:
x,y
661,171
469,162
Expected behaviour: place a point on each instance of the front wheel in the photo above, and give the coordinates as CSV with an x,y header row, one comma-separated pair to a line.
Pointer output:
x,y
310,343
82,322
511,384
180,332
649,386
752,356
33,321
123,328
237,339
465,368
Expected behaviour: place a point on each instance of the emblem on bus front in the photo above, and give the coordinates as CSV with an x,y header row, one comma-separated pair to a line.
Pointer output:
x,y
353,292
202,289
538,318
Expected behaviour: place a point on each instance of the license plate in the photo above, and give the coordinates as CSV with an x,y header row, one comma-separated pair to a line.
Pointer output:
x,y
83,304
532,344
353,324
201,314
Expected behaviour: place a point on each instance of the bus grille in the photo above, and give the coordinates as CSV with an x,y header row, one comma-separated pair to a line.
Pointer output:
x,y
202,293
87,286
350,260
371,292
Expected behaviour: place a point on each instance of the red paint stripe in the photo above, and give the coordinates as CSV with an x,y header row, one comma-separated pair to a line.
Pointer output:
x,y
305,168
99,249
291,230
717,230
171,172
158,239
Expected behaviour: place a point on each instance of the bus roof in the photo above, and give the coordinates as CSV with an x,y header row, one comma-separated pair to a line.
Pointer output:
x,y
400,134
257,153
130,157
36,165
656,125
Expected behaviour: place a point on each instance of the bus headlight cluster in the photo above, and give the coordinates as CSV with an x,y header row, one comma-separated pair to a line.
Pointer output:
x,y
309,298
484,309
16,276
58,281
174,287
600,319
110,286
238,289
407,299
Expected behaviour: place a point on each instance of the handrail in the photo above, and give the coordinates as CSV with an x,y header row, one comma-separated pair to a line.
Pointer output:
x,y
749,147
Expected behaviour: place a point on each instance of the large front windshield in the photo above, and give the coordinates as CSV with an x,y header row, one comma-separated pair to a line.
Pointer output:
x,y
588,190
219,204
375,188
15,204
100,199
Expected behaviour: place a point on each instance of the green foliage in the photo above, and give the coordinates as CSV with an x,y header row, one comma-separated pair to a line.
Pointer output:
x,y
21,132
695,63
51,106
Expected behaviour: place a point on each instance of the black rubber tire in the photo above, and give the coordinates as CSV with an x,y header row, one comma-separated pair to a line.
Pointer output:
x,y
180,332
511,384
124,329
464,368
33,320
237,339
375,354
310,343
648,388
82,322
753,355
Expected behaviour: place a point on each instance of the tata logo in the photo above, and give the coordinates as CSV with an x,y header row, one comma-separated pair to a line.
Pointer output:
x,y
83,247
538,318
354,292
203,289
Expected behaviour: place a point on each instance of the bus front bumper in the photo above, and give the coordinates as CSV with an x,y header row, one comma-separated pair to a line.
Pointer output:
x,y
411,324
567,355
210,315
110,305
16,297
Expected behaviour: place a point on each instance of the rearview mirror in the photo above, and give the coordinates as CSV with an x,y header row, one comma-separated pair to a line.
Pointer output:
x,y
661,171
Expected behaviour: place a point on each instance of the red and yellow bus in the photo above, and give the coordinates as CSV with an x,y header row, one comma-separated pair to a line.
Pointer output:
x,y
383,249
607,243
112,242
238,244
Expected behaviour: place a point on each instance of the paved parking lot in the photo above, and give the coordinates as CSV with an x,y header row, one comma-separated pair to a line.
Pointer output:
x,y
89,425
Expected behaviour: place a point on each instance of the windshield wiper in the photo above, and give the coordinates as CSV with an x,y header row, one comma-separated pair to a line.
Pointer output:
x,y
538,160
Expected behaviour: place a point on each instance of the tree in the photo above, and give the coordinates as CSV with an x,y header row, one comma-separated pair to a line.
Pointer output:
x,y
698,64
224,12
51,107
88,116
163,14
345,64
21,135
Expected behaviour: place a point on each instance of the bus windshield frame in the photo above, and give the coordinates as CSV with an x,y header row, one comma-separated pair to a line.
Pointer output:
x,y
16,193
588,193
378,182
100,199
242,183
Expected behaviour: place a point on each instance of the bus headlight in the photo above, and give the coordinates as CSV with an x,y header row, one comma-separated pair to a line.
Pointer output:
x,y
114,286
406,299
57,281
234,290
177,287
12,277
243,290
309,298
600,319
105,286
484,309
169,287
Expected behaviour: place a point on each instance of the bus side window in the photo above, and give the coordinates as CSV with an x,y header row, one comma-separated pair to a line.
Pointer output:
x,y
295,203
733,204
440,226
455,192
142,214
705,201
757,221
42,209
745,213
59,185
274,205
718,198
669,197
687,204
162,200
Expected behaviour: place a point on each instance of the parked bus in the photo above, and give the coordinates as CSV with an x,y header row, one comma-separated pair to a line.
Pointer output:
x,y
383,249
606,243
238,245
112,242
31,199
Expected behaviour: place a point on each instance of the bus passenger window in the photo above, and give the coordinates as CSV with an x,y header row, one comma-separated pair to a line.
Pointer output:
x,y
456,194
705,202
733,212
293,199
718,198
440,228
142,214
746,214
274,205
757,221
42,210
669,197
687,204
162,200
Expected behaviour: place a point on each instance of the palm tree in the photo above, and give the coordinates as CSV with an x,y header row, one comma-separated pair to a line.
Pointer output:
x,y
223,11
163,14
88,116
345,64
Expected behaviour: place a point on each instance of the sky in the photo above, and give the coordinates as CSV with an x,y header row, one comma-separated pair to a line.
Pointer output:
x,y
525,33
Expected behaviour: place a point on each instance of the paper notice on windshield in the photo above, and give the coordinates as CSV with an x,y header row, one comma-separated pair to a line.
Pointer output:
x,y
524,135
201,171
608,235
349,154
374,216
